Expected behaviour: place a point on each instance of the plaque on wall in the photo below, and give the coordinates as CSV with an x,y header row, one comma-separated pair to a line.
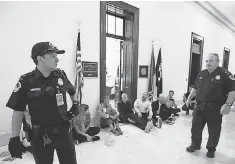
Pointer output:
x,y
143,71
90,69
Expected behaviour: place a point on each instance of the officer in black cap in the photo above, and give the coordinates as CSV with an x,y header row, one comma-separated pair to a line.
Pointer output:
x,y
215,93
44,91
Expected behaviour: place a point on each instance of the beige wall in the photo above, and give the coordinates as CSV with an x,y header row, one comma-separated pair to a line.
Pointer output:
x,y
169,24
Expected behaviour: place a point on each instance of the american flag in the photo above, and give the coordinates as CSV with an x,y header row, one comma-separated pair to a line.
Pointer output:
x,y
79,81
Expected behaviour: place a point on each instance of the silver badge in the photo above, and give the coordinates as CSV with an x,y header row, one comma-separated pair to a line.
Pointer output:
x,y
217,77
60,82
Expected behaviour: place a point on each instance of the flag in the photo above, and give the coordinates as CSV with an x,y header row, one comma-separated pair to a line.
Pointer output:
x,y
79,81
151,76
159,73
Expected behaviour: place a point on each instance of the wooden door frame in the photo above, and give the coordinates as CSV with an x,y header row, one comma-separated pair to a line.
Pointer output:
x,y
194,35
135,12
226,49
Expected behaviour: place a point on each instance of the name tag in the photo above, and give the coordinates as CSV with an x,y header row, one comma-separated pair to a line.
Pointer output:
x,y
59,99
35,89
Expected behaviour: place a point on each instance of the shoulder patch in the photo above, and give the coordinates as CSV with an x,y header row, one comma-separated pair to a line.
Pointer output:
x,y
232,77
17,87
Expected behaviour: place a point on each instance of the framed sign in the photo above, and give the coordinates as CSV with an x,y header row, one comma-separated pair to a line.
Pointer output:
x,y
143,71
90,69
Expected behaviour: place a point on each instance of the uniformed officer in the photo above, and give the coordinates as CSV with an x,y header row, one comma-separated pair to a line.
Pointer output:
x,y
215,93
44,91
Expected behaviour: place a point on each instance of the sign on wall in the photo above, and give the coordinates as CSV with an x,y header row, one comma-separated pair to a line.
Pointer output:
x,y
90,69
143,71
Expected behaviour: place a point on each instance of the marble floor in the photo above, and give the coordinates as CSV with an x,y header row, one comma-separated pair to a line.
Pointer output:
x,y
161,146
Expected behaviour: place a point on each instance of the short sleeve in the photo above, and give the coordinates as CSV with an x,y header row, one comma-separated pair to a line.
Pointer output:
x,y
229,82
196,83
70,88
18,98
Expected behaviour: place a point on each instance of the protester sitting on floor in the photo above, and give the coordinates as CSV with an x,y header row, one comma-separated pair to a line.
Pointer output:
x,y
165,111
157,121
193,102
109,117
173,107
144,111
81,126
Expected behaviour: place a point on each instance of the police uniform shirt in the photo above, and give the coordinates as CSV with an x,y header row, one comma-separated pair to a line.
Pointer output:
x,y
214,87
39,93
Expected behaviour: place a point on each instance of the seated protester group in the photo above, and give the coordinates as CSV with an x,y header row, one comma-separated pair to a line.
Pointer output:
x,y
109,117
81,126
143,109
193,102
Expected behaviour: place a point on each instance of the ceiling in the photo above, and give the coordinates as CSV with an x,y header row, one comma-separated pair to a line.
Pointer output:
x,y
227,8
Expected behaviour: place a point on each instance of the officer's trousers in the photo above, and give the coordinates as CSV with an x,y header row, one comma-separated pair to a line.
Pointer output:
x,y
62,142
206,113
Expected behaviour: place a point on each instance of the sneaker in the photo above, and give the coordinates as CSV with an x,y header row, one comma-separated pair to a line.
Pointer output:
x,y
170,122
149,126
210,154
95,138
159,123
192,149
115,132
119,131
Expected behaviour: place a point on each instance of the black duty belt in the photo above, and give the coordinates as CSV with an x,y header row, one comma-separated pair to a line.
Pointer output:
x,y
46,133
209,102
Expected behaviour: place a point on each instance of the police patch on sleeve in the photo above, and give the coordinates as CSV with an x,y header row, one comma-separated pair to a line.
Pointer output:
x,y
17,87
232,77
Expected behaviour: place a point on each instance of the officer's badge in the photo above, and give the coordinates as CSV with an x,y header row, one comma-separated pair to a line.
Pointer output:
x,y
217,77
17,87
232,77
200,78
60,82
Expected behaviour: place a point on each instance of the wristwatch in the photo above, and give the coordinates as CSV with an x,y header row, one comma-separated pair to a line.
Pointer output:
x,y
229,104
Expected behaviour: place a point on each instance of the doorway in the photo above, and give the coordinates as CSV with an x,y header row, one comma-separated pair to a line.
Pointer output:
x,y
196,53
119,33
226,58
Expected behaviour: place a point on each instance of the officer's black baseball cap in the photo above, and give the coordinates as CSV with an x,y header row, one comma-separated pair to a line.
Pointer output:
x,y
42,48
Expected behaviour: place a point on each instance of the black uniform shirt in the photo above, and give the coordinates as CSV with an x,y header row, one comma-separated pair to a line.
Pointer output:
x,y
39,93
214,87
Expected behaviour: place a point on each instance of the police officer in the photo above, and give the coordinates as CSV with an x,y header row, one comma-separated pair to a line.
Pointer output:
x,y
215,93
44,91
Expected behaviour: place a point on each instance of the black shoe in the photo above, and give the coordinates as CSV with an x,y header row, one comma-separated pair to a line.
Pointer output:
x,y
95,138
210,154
192,149
176,114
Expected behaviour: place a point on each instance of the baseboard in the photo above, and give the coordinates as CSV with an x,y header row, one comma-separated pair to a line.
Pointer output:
x,y
4,138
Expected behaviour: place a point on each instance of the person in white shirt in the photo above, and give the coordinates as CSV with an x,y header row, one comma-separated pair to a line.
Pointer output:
x,y
144,111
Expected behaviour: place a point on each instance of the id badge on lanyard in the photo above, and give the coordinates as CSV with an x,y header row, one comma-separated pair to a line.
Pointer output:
x,y
59,99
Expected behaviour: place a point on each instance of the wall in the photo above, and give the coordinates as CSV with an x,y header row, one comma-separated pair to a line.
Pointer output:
x,y
25,23
169,25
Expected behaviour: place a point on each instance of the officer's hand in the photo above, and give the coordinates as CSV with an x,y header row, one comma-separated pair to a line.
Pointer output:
x,y
73,112
225,109
188,102
16,147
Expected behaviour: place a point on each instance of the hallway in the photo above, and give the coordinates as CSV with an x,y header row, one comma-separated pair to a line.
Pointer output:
x,y
162,146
